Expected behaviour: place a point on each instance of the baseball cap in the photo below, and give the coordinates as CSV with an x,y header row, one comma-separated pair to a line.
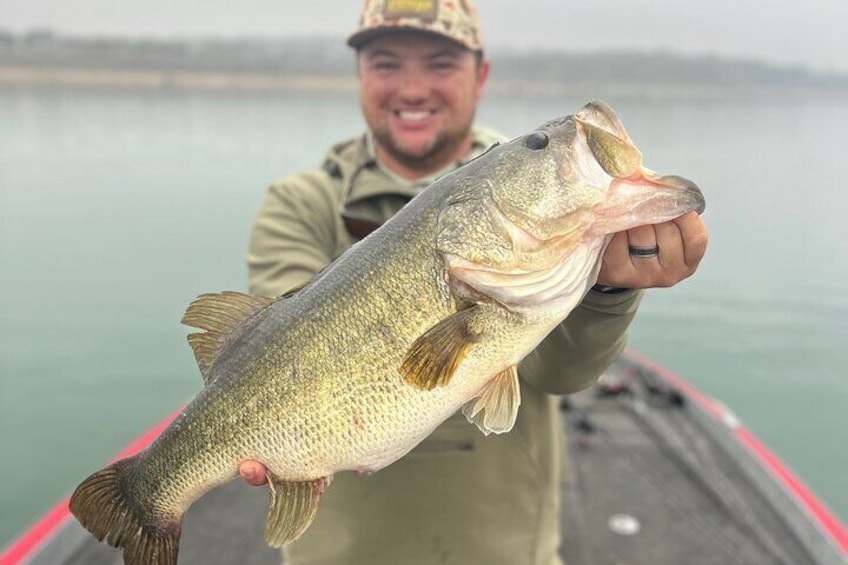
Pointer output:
x,y
454,19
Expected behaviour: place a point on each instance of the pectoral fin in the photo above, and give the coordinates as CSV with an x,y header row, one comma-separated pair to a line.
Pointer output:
x,y
293,507
496,408
434,357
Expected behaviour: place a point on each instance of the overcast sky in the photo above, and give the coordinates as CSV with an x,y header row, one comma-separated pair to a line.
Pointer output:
x,y
812,32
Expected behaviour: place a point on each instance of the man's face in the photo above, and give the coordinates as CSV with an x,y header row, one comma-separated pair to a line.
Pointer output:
x,y
419,93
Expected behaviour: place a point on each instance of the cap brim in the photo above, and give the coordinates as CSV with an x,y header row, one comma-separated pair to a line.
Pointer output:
x,y
360,38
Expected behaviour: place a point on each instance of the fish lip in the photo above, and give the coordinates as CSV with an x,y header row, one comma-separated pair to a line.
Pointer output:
x,y
689,188
645,198
598,113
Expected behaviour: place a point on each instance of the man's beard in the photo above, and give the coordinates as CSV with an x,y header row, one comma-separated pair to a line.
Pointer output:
x,y
441,152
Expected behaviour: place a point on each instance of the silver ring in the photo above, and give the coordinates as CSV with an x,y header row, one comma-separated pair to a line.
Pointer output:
x,y
644,252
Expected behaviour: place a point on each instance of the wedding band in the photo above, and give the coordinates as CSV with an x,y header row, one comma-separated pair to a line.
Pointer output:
x,y
644,252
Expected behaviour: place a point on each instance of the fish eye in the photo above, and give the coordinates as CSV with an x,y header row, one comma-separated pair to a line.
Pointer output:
x,y
537,140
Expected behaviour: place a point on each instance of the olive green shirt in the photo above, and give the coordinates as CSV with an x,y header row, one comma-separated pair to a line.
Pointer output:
x,y
459,497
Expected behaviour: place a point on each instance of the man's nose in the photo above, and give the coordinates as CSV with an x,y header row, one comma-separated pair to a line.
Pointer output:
x,y
413,86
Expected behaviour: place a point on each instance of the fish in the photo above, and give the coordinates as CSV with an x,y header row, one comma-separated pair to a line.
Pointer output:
x,y
428,315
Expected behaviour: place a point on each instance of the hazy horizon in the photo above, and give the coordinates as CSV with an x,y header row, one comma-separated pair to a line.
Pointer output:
x,y
811,34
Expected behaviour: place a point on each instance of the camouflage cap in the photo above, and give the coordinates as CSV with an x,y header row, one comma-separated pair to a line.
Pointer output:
x,y
454,19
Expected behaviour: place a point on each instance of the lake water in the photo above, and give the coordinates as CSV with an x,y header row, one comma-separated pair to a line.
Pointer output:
x,y
117,209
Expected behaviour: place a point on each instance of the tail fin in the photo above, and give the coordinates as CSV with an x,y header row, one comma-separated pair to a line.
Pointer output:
x,y
105,508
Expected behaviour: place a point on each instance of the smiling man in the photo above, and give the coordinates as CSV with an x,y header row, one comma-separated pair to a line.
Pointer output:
x,y
419,95
459,497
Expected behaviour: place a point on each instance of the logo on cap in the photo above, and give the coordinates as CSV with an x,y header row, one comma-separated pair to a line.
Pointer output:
x,y
424,9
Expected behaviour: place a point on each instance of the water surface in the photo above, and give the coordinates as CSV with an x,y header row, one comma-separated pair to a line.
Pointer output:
x,y
117,209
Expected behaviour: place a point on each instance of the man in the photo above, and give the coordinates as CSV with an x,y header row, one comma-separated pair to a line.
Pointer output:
x,y
459,497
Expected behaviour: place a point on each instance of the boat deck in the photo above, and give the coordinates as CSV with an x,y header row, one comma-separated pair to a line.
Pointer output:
x,y
648,479
647,459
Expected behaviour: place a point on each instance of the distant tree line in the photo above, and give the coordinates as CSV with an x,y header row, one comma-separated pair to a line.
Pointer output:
x,y
329,56
657,67
298,55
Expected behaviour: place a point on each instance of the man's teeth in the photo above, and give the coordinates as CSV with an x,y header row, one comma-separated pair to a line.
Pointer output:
x,y
413,116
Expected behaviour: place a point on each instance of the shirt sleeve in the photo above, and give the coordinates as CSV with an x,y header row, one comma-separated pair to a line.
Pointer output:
x,y
292,237
580,349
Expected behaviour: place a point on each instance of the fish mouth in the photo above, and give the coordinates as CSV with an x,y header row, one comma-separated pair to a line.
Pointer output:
x,y
646,198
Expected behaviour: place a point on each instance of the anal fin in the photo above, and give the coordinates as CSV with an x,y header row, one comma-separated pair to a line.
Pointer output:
x,y
293,505
496,408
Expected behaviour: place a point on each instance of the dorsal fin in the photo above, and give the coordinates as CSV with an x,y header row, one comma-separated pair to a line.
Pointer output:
x,y
218,315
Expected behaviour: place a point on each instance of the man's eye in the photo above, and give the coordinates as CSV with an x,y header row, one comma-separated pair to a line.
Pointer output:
x,y
442,66
385,66
536,140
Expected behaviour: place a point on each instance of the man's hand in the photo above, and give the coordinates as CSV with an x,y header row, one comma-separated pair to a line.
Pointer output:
x,y
682,243
253,473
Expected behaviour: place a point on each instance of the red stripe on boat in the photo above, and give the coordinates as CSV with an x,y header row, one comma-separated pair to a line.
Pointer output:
x,y
818,512
25,546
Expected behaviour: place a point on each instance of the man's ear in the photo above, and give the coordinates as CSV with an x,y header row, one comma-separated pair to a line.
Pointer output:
x,y
482,76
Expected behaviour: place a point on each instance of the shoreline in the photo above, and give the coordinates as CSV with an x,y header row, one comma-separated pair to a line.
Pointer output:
x,y
163,80
154,79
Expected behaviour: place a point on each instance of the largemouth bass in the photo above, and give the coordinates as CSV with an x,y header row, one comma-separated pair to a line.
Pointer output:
x,y
428,315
